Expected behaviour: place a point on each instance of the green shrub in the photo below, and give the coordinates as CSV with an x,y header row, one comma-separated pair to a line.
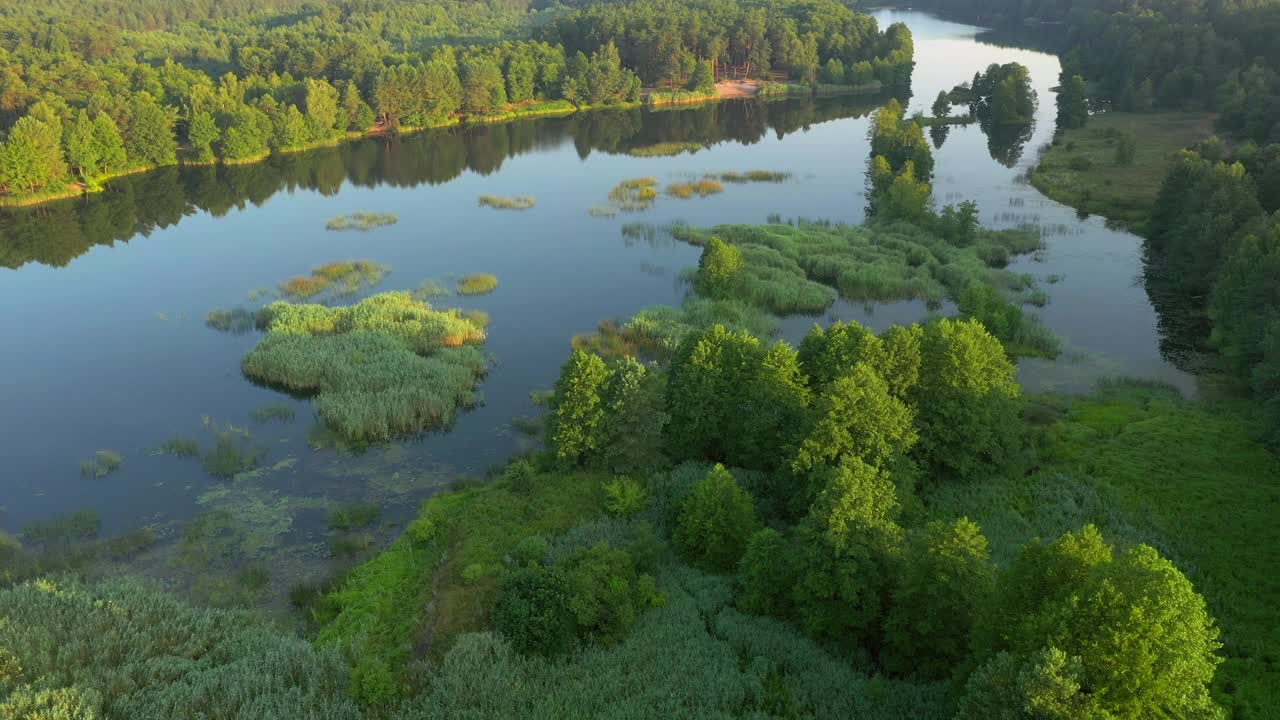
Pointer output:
x,y
716,520
766,574
625,497
533,612
519,475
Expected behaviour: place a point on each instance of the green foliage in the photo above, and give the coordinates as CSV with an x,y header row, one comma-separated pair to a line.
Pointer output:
x,y
847,544
1128,627
703,78
533,612
77,526
966,402
607,592
126,650
1073,104
385,367
719,268
635,416
625,497
766,574
707,373
716,520
855,416
230,455
575,420
946,579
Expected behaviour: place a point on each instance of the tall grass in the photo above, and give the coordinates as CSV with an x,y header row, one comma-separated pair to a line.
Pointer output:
x,y
477,284
363,221
634,194
385,367
127,650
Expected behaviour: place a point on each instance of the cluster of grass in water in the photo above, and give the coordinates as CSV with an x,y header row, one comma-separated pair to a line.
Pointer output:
x,y
497,202
754,176
363,221
477,284
236,321
102,464
665,149
385,367
701,187
343,278
64,544
632,195
275,412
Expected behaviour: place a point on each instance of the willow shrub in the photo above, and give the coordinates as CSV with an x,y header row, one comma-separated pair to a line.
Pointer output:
x,y
385,367
123,650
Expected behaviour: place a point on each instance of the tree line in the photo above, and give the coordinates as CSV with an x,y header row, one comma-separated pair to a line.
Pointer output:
x,y
80,103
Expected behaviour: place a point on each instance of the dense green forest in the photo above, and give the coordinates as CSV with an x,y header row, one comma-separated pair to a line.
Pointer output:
x,y
715,525
149,86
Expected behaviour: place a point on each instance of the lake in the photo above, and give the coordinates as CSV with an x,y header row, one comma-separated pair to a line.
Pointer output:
x,y
106,345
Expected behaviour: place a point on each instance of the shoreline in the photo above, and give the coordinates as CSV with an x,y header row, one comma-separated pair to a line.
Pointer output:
x,y
550,108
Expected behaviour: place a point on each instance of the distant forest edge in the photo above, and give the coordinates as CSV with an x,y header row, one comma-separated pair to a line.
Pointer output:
x,y
153,85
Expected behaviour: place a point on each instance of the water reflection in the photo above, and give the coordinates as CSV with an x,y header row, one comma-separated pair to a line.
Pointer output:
x,y
58,233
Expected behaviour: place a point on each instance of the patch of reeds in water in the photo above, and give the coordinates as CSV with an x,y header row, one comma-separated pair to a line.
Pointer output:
x,y
665,149
477,284
702,187
363,221
634,194
497,202
102,464
388,366
275,412
236,321
343,278
754,176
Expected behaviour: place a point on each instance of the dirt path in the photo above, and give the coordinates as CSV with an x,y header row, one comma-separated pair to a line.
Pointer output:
x,y
738,88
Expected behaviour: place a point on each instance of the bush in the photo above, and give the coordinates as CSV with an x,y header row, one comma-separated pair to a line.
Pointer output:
x,y
716,519
533,611
625,497
766,574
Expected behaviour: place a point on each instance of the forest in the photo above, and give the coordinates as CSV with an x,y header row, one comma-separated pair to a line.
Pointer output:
x,y
713,522
84,102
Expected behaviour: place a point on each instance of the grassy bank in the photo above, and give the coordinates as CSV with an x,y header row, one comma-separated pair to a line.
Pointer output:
x,y
1081,168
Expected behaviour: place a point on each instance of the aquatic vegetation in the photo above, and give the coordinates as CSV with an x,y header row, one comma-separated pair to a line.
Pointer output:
x,y
350,545
634,194
429,290
363,221
180,446
354,516
520,202
126,649
385,367
477,284
602,212
344,278
665,149
304,286
102,464
702,188
230,455
77,526
236,321
754,176
656,331
275,412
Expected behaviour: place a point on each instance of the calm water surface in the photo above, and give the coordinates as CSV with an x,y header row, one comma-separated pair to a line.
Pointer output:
x,y
105,345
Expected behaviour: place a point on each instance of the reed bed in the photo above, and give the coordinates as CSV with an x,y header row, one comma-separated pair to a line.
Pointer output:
x,y
754,176
477,284
344,278
362,221
497,202
388,366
